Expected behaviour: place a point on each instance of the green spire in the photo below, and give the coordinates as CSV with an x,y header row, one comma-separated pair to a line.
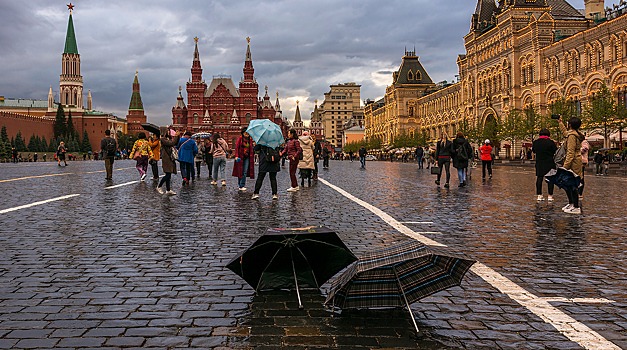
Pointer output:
x,y
70,39
136,98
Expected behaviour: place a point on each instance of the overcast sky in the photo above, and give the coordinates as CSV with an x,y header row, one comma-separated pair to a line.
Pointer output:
x,y
299,47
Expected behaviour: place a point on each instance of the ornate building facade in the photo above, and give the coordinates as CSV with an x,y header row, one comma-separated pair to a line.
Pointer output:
x,y
221,107
519,53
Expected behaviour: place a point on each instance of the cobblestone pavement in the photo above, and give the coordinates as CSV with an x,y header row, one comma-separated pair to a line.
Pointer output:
x,y
125,267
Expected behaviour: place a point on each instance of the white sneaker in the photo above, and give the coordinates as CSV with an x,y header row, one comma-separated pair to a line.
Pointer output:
x,y
143,177
567,207
549,198
255,196
171,193
573,210
243,189
223,182
540,198
214,183
160,190
275,196
292,189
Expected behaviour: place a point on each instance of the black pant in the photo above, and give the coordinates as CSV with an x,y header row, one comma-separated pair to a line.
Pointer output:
x,y
166,180
539,181
209,161
325,162
487,163
154,165
315,173
583,173
573,197
198,164
445,164
259,182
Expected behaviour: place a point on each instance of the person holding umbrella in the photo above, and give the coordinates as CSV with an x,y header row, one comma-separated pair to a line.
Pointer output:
x,y
293,152
269,163
244,165
167,162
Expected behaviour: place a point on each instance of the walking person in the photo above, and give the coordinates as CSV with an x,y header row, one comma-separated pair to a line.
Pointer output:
x,y
293,152
545,149
419,157
200,156
141,152
326,154
598,163
219,149
443,154
14,155
61,150
155,146
208,156
585,148
317,155
244,159
485,152
572,162
427,157
462,152
187,152
168,164
362,156
306,164
269,163
108,146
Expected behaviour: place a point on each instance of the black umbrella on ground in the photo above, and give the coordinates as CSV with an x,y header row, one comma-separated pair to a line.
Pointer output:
x,y
152,128
397,276
292,258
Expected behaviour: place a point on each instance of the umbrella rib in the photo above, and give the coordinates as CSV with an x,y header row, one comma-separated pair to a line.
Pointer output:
x,y
310,267
400,287
266,268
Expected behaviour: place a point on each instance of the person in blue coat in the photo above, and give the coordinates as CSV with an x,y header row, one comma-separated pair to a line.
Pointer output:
x,y
187,151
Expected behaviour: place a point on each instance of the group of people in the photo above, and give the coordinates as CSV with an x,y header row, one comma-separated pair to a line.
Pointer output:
x,y
460,154
171,147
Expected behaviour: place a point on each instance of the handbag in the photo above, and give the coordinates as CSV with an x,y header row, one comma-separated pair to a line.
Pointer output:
x,y
175,154
436,170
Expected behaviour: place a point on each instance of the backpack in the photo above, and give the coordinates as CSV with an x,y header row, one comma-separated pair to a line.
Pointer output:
x,y
461,152
110,148
272,155
560,155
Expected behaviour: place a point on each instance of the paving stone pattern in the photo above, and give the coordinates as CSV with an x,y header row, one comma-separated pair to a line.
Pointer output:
x,y
129,268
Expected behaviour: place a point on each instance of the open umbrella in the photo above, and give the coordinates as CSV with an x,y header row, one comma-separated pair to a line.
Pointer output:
x,y
152,128
202,135
563,178
265,132
397,276
286,258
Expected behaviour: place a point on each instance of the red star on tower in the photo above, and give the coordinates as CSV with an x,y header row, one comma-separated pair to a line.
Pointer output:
x,y
70,7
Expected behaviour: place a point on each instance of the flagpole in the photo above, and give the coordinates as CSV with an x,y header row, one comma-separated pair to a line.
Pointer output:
x,y
405,298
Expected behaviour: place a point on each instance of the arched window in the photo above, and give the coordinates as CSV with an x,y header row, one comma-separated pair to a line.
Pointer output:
x,y
410,75
195,118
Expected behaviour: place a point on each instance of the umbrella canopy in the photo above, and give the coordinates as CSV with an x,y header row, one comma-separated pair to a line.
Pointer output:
x,y
152,128
287,258
265,132
397,276
562,178
202,135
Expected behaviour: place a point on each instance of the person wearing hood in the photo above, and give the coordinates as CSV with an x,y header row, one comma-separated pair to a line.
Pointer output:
x,y
307,164
168,163
573,162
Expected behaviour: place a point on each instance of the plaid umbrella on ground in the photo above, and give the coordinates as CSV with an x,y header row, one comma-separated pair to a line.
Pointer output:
x,y
396,277
287,258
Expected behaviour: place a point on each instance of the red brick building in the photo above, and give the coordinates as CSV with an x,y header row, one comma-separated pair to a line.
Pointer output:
x,y
221,107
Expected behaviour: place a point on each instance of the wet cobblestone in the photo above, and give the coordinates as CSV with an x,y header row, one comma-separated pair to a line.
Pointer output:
x,y
127,267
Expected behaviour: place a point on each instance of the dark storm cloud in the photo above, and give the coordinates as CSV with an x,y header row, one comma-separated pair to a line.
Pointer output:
x,y
299,47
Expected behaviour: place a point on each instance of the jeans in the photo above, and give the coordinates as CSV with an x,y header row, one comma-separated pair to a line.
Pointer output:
x,y
362,160
219,167
420,164
461,175
445,164
186,170
293,167
259,182
484,164
109,167
166,180
241,182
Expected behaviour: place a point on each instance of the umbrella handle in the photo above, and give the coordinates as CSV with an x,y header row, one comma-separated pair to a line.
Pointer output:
x,y
300,304
413,319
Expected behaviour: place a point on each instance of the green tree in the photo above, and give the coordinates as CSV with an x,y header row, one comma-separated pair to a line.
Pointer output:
x,y
125,141
374,143
352,146
32,144
54,143
85,145
59,127
20,144
43,147
600,112
530,124
4,136
69,128
511,126
470,130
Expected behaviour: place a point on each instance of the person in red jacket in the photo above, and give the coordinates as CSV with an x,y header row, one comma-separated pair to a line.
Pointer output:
x,y
486,158
244,160
293,151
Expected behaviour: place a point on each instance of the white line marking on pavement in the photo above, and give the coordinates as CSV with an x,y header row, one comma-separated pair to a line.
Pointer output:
x,y
580,300
568,326
3,211
124,184
417,222
34,177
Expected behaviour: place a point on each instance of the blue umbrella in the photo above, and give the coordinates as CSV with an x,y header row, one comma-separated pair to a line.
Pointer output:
x,y
265,132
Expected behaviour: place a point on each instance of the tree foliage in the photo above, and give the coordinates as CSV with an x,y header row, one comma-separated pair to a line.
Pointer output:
x,y
59,126
603,112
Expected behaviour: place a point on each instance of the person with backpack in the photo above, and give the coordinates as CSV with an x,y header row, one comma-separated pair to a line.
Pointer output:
x,y
545,149
598,163
462,152
141,152
155,146
61,150
362,156
269,163
573,162
219,149
108,147
294,152
443,154
244,159
187,152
